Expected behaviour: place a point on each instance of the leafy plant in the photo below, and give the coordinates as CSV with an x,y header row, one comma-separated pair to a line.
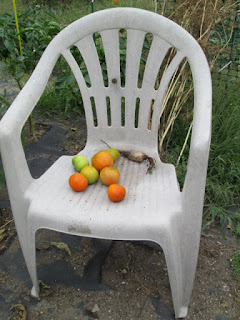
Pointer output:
x,y
47,2
223,183
35,31
4,103
235,263
62,96
2,179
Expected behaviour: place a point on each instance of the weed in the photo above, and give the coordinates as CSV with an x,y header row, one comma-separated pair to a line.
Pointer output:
x,y
60,102
223,183
4,103
235,263
35,31
2,179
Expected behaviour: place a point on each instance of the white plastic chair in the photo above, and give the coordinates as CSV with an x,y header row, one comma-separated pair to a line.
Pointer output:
x,y
154,208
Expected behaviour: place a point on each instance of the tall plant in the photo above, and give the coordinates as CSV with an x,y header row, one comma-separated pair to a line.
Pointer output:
x,y
23,38
31,126
206,20
201,18
34,31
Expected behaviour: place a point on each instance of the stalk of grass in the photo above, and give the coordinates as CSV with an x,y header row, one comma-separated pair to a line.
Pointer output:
x,y
235,263
185,143
177,88
31,126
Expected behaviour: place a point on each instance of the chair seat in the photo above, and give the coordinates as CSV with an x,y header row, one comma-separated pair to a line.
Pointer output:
x,y
53,204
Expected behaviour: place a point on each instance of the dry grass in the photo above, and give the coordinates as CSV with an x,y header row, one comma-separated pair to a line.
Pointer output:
x,y
201,18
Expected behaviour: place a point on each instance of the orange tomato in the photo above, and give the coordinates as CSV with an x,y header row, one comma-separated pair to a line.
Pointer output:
x,y
102,159
109,175
116,192
78,182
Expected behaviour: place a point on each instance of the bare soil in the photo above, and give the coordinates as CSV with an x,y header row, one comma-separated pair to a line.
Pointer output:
x,y
105,279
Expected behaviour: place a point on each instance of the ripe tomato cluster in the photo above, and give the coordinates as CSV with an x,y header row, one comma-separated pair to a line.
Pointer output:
x,y
103,167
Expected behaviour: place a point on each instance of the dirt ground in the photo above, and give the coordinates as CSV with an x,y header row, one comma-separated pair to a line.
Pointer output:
x,y
99,279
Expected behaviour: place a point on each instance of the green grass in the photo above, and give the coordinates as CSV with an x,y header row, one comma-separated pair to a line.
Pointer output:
x,y
69,11
235,263
61,103
223,183
6,6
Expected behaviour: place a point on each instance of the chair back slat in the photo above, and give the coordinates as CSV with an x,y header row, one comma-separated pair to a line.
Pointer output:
x,y
89,54
135,40
163,87
82,85
157,53
110,40
75,70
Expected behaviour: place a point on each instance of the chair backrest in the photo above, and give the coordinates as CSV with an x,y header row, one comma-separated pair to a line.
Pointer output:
x,y
136,24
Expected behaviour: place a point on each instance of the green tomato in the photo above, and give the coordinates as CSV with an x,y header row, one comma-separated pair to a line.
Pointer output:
x,y
79,162
90,173
114,153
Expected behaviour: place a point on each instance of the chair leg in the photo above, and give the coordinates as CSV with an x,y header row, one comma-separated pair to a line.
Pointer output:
x,y
181,271
28,247
189,258
175,275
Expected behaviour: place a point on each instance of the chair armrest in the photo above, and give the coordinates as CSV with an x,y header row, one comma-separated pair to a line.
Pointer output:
x,y
15,166
195,181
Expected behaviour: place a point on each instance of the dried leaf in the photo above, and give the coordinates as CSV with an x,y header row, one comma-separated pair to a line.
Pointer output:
x,y
224,304
62,246
43,246
43,285
2,236
44,289
18,311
